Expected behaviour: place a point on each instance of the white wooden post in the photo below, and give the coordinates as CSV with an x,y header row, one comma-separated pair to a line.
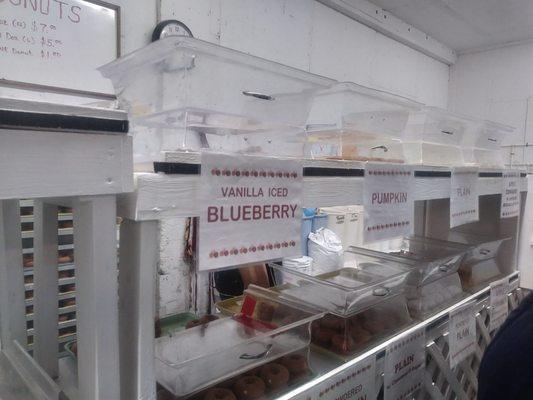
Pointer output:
x,y
12,306
137,277
45,287
95,256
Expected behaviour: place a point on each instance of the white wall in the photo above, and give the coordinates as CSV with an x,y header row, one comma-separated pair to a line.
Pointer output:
x,y
497,85
308,35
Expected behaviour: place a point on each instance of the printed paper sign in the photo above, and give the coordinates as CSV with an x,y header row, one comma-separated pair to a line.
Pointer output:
x,y
464,197
499,307
250,210
388,201
405,361
355,383
462,336
510,206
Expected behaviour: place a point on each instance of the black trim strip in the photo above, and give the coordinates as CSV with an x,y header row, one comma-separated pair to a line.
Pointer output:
x,y
490,174
433,174
523,174
11,119
174,168
324,171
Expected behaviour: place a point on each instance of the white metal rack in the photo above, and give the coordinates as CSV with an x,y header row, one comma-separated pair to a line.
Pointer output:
x,y
95,165
159,196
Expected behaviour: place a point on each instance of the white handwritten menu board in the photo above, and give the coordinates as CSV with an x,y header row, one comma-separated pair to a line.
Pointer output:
x,y
58,43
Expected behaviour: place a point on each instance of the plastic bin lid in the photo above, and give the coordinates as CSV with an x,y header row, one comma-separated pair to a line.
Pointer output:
x,y
169,47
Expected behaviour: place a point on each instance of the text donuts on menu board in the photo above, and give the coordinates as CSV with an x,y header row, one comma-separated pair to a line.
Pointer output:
x,y
58,43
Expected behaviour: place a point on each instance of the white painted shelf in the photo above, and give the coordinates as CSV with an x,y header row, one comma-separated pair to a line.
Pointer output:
x,y
160,196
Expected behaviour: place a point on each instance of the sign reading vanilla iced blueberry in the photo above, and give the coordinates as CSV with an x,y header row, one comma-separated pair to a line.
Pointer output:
x,y
250,210
464,197
388,201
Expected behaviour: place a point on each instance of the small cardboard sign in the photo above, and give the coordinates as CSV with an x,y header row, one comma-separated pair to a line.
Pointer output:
x,y
388,201
462,334
510,205
464,196
405,361
250,210
499,306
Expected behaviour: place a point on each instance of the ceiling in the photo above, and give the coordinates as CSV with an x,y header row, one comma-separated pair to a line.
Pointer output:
x,y
466,25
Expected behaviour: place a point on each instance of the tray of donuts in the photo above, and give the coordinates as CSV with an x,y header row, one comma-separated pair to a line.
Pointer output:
x,y
345,337
267,381
268,327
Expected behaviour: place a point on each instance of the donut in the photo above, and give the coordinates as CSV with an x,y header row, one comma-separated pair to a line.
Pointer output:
x,y
360,336
296,364
332,322
249,388
322,336
219,394
343,344
275,376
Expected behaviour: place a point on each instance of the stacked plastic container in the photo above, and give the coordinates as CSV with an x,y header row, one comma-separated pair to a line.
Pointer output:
x,y
352,122
187,94
483,147
435,136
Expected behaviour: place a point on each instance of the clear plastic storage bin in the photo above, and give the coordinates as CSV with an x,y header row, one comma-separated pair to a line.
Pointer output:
x,y
481,264
425,300
434,137
200,95
353,122
272,379
364,281
484,148
433,273
428,259
345,337
267,328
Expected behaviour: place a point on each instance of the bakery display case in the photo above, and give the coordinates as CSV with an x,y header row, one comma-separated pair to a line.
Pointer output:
x,y
435,136
271,380
483,262
362,282
267,328
353,122
432,282
344,337
199,95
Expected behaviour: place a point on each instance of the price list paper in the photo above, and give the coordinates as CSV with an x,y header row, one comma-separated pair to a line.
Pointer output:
x,y
355,383
510,204
464,196
405,361
250,210
388,201
462,334
499,306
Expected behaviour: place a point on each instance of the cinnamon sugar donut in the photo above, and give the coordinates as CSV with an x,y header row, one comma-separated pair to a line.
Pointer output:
x,y
275,376
249,387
